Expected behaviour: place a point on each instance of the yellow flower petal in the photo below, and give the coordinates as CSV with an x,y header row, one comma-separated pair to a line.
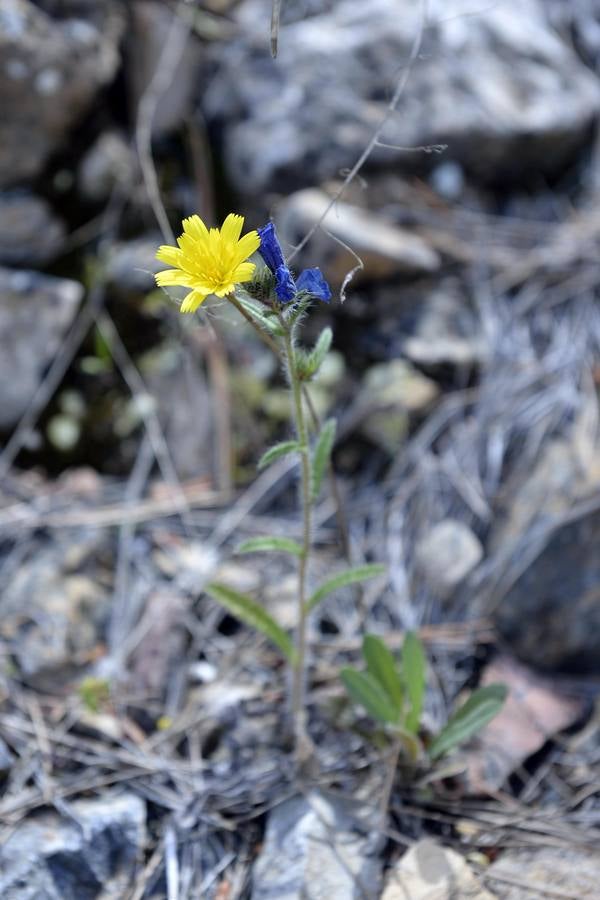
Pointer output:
x,y
225,289
195,227
208,261
192,301
247,245
174,278
243,272
172,256
232,228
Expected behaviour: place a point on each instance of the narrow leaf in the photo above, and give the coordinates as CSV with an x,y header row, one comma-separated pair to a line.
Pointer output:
x,y
382,666
342,579
319,351
321,455
276,452
269,323
259,544
366,691
479,709
250,613
413,669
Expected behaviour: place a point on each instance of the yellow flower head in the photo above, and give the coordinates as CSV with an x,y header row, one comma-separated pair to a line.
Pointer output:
x,y
208,261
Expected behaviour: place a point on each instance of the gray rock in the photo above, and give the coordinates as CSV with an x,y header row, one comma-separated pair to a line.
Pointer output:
x,y
566,470
30,233
550,617
391,392
385,249
90,856
546,872
444,330
398,384
50,73
35,312
109,162
52,614
504,92
428,871
316,849
446,555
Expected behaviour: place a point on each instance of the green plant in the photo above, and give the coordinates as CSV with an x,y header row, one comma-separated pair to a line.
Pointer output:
x,y
392,692
94,693
274,303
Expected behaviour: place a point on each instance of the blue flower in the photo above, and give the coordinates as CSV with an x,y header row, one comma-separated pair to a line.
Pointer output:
x,y
311,280
270,248
285,286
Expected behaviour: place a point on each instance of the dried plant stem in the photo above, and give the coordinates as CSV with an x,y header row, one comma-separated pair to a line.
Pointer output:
x,y
389,781
303,744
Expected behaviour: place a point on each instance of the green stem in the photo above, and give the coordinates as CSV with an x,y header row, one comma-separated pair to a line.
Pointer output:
x,y
335,490
302,740
303,745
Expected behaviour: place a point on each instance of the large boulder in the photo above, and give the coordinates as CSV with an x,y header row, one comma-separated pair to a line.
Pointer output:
x,y
499,87
52,68
35,312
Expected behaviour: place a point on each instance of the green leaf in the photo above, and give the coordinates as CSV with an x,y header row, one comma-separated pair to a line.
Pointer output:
x,y
414,666
276,452
267,321
382,666
479,709
102,347
312,361
281,544
248,611
321,455
366,690
342,579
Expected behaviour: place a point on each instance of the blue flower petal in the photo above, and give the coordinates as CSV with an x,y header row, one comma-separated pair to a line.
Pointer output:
x,y
312,281
285,286
270,248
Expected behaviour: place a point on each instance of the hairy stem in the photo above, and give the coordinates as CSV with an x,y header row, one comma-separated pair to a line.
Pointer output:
x,y
335,490
302,740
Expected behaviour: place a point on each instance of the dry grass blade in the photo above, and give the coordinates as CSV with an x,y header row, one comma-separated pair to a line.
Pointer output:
x,y
275,19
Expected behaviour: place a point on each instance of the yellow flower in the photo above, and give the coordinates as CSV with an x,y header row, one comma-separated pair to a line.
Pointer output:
x,y
208,261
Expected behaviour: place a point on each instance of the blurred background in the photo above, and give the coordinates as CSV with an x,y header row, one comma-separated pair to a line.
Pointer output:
x,y
459,143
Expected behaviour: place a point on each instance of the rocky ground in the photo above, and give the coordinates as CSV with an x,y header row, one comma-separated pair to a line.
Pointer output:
x,y
143,733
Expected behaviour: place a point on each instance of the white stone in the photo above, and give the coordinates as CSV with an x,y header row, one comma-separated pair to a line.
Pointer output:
x,y
447,553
